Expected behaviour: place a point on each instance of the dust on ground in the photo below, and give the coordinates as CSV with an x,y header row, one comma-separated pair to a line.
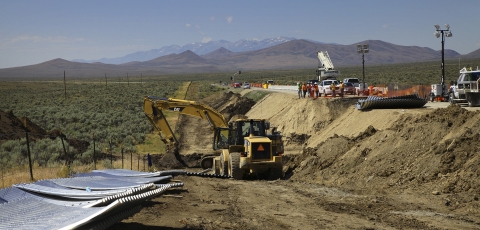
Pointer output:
x,y
345,169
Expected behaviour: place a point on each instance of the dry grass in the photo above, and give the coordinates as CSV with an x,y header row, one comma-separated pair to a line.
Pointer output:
x,y
22,174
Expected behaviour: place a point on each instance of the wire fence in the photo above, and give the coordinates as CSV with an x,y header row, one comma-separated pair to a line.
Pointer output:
x,y
30,158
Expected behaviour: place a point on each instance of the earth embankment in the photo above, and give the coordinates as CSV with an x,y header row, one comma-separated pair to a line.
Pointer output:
x,y
346,169
396,150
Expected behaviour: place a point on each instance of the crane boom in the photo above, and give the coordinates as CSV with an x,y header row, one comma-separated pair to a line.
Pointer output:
x,y
324,60
153,107
325,69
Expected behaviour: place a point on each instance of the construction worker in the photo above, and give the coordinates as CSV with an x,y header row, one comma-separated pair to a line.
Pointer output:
x,y
370,90
309,88
299,86
312,91
304,89
333,87
342,87
315,88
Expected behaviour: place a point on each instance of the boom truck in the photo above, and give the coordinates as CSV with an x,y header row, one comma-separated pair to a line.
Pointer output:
x,y
241,147
325,69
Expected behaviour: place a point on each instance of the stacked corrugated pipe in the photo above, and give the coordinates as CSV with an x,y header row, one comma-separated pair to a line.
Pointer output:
x,y
94,201
398,102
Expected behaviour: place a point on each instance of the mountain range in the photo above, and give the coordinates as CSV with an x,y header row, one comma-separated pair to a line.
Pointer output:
x,y
292,54
199,48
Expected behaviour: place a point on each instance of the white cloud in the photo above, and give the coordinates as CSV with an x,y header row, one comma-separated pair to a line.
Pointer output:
x,y
198,27
212,18
35,39
229,19
188,25
206,39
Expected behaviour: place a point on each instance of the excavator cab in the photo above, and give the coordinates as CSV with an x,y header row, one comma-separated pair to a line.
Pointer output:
x,y
237,131
222,138
247,149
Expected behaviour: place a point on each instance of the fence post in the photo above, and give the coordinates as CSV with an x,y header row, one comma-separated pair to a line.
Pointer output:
x,y
64,150
3,170
94,160
29,157
138,162
111,153
131,160
122,157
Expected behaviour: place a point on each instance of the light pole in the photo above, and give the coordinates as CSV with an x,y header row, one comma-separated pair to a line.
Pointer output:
x,y
443,33
233,77
363,49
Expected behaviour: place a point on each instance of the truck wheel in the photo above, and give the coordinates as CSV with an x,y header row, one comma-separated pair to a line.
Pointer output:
x,y
207,162
223,166
234,169
275,173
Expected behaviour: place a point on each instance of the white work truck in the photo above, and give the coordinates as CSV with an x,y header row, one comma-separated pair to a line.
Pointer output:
x,y
467,88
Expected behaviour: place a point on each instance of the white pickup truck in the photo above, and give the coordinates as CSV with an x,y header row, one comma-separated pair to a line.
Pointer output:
x,y
466,88
324,87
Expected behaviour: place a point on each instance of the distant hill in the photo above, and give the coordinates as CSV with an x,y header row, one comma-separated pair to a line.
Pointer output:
x,y
196,47
288,55
474,54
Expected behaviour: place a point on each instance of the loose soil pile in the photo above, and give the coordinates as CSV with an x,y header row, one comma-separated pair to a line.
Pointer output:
x,y
14,128
196,136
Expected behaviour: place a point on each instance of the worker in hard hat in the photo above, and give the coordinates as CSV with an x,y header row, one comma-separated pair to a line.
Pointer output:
x,y
342,87
315,88
333,87
304,89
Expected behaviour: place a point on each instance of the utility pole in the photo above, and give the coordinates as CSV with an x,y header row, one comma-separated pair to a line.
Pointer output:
x,y
443,33
65,85
363,49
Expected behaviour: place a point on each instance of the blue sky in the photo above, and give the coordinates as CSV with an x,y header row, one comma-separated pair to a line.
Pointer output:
x,y
36,31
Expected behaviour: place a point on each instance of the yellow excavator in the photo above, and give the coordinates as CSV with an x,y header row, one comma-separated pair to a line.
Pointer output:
x,y
242,146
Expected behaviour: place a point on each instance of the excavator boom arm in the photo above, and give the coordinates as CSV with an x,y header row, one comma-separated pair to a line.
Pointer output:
x,y
153,107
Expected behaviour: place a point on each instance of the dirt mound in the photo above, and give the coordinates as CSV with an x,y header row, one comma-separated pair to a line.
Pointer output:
x,y
196,135
229,104
435,151
397,150
13,128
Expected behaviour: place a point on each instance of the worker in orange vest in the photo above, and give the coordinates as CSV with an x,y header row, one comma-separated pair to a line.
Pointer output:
x,y
304,89
312,91
315,87
333,87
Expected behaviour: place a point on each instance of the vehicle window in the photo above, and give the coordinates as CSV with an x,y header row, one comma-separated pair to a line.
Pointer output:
x,y
475,76
353,80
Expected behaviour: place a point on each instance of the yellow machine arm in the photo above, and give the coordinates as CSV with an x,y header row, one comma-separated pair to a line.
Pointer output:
x,y
153,107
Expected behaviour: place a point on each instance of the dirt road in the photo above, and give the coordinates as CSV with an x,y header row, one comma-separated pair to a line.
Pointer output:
x,y
345,169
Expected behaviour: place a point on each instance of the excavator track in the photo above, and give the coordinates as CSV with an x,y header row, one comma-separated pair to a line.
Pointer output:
x,y
202,174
